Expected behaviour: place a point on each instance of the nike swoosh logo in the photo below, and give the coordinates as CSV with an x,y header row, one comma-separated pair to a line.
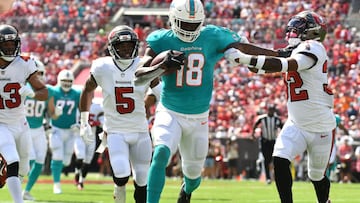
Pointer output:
x,y
322,136
203,122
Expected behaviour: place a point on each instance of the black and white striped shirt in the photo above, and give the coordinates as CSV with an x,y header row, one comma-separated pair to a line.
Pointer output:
x,y
269,126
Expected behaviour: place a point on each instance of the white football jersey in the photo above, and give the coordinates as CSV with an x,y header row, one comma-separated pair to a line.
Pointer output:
x,y
310,102
12,77
123,104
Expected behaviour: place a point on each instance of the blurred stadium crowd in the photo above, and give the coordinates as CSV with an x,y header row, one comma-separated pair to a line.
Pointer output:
x,y
64,33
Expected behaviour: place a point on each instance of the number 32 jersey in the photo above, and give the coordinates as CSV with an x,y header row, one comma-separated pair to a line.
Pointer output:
x,y
310,101
12,77
123,103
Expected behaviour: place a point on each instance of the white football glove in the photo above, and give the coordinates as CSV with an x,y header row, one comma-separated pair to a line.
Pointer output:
x,y
85,128
26,91
86,133
75,127
58,111
236,57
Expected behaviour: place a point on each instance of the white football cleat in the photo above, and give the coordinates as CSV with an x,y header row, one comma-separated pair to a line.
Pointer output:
x,y
27,196
57,188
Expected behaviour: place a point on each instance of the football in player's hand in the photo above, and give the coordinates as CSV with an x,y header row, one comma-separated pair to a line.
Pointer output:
x,y
173,60
3,171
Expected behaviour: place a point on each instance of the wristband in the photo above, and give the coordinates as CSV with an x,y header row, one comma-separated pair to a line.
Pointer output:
x,y
260,62
284,64
84,117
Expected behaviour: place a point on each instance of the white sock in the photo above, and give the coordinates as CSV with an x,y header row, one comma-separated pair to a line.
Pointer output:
x,y
15,190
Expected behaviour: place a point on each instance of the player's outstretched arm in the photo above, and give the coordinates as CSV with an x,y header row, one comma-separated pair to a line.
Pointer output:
x,y
252,49
260,60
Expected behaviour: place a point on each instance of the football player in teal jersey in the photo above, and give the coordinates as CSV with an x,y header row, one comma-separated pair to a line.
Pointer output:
x,y
65,105
181,118
332,162
35,115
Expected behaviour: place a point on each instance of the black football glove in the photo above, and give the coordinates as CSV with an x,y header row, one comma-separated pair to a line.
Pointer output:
x,y
174,60
286,52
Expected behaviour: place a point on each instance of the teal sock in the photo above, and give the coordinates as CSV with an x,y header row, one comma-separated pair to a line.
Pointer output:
x,y
56,168
33,175
32,163
191,184
156,177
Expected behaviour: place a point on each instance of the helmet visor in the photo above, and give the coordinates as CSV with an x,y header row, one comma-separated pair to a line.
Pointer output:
x,y
296,25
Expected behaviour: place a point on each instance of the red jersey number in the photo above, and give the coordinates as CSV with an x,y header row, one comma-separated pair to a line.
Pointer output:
x,y
124,104
15,98
295,81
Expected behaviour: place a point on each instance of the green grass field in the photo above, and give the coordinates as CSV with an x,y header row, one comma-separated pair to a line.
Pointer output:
x,y
99,190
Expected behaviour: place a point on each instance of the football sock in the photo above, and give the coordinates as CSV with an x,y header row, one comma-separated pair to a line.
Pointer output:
x,y
322,189
32,163
140,193
156,177
14,186
283,179
56,168
191,184
33,175
84,169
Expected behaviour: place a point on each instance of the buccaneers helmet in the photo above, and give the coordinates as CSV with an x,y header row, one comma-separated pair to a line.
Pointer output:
x,y
306,25
9,42
186,19
65,80
123,44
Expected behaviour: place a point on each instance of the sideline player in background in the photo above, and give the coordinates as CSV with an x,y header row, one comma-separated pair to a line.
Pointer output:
x,y
35,115
311,120
63,105
182,113
125,128
84,152
16,71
